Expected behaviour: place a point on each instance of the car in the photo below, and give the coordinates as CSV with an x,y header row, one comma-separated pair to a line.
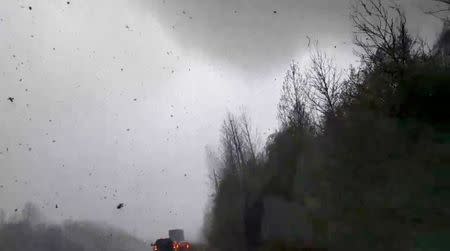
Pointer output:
x,y
163,244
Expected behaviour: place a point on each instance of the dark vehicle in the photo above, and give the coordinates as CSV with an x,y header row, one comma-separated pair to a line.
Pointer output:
x,y
163,245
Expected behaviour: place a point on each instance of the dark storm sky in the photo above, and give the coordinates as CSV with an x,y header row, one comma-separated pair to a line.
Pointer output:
x,y
115,101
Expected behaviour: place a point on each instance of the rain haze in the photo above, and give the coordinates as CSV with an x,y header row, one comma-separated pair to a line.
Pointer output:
x,y
108,102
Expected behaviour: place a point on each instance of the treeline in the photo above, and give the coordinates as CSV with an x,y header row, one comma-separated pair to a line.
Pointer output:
x,y
361,160
27,231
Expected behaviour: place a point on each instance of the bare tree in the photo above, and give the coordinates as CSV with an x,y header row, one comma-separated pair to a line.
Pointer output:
x,y
292,108
441,12
214,166
249,141
307,97
233,143
381,34
239,149
233,182
352,85
2,217
323,86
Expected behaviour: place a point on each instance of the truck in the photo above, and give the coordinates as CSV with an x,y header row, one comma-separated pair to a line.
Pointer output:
x,y
176,235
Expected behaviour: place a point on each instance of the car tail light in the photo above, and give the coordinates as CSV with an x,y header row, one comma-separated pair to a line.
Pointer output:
x,y
187,246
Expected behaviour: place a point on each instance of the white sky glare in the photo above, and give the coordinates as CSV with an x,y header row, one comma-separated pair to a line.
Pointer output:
x,y
115,101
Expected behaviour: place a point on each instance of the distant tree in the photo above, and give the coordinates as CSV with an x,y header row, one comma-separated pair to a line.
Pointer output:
x,y
214,167
31,214
2,217
441,50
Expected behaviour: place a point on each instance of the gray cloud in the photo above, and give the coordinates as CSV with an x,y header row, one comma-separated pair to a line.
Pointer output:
x,y
253,35
250,34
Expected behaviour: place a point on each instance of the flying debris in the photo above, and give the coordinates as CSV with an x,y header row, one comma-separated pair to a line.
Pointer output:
x,y
121,205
